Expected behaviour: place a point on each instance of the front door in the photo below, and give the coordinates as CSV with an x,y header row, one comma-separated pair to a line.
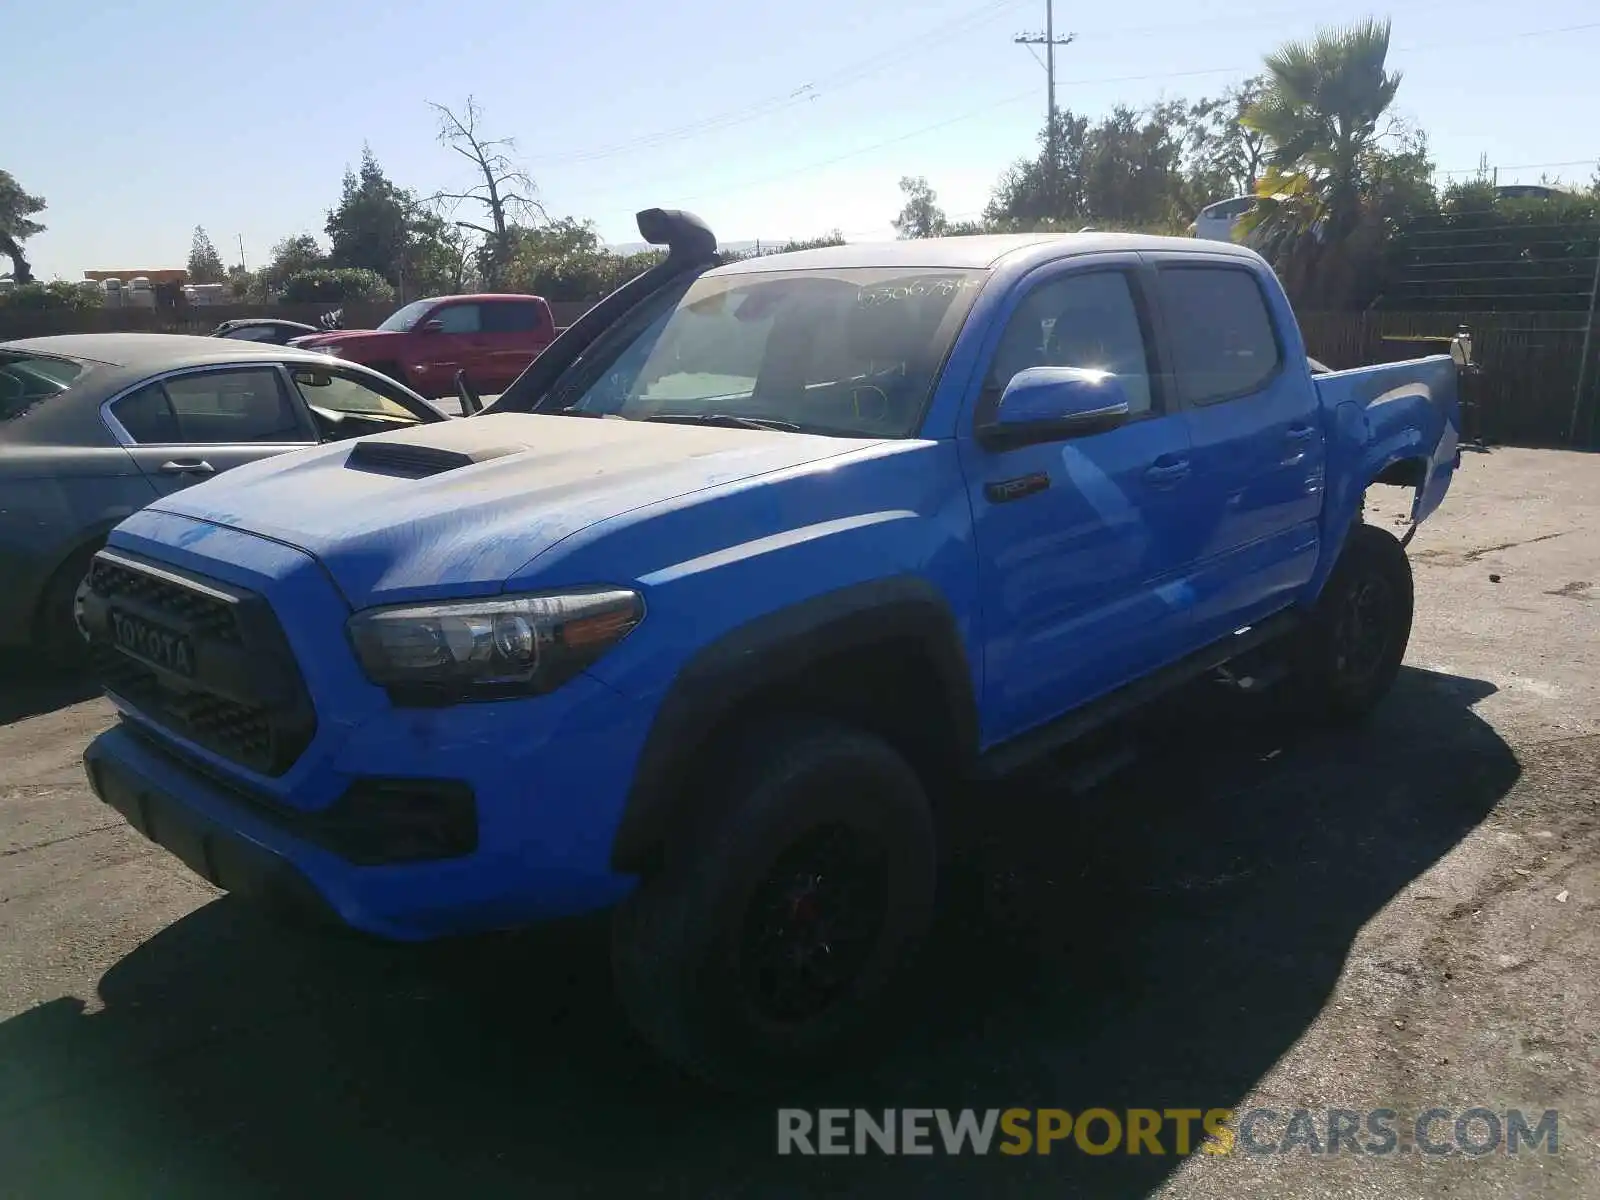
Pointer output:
x,y
1257,439
190,426
1081,543
459,344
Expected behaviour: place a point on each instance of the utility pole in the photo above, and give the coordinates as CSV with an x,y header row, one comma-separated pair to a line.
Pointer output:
x,y
1049,41
242,266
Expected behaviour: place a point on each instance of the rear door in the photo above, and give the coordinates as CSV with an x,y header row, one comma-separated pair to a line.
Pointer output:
x,y
191,425
514,332
1257,443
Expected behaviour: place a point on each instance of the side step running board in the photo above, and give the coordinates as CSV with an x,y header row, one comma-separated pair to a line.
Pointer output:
x,y
1022,751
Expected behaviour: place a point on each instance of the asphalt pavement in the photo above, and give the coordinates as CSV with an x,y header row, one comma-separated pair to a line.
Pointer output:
x,y
1255,916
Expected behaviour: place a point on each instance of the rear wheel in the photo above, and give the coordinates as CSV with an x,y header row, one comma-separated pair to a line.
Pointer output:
x,y
768,942
1352,650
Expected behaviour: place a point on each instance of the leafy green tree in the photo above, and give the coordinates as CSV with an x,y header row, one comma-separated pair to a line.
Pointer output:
x,y
205,264
17,208
563,259
1226,156
58,295
1132,167
370,227
835,238
337,285
921,217
292,255
1125,171
1042,192
1332,186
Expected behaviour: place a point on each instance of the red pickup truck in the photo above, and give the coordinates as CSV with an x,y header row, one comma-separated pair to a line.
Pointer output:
x,y
423,345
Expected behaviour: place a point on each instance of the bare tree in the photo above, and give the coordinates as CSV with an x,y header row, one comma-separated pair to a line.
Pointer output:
x,y
505,192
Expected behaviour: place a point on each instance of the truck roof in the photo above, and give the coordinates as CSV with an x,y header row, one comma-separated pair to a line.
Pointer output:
x,y
976,251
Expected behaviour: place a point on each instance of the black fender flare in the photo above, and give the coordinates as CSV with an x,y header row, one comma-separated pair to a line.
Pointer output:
x,y
720,676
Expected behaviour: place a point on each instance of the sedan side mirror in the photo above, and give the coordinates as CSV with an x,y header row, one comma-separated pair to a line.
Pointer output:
x,y
1049,404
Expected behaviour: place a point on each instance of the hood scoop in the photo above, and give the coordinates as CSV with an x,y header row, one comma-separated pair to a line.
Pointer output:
x,y
409,460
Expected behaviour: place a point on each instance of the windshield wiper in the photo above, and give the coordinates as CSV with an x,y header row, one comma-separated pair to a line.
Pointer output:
x,y
726,419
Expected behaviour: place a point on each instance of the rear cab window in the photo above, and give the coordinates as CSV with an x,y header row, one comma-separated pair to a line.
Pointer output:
x,y
1222,336
26,379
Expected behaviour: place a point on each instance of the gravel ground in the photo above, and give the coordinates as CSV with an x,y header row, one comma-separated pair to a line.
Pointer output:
x,y
1251,917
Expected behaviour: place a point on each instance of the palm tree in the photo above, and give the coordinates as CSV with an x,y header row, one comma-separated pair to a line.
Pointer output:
x,y
1319,110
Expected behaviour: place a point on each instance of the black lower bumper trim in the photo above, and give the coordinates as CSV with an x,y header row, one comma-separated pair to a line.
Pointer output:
x,y
223,859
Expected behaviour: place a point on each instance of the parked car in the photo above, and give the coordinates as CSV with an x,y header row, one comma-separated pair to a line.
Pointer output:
x,y
276,330
95,426
1217,221
428,342
844,529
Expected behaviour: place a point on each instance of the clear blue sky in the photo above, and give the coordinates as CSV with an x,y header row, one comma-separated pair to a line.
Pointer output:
x,y
139,121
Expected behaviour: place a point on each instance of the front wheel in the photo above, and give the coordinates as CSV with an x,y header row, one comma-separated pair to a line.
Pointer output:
x,y
1352,649
767,943
59,633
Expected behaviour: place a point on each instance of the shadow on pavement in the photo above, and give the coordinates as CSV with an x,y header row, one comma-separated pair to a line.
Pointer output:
x,y
29,687
1160,945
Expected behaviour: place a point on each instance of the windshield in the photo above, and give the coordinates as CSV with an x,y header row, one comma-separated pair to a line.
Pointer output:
x,y
846,352
402,320
26,379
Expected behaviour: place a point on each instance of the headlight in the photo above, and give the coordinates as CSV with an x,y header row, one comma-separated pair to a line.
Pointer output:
x,y
492,648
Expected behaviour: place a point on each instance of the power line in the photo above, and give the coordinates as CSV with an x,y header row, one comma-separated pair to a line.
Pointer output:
x,y
804,94
1572,162
1016,99
905,137
863,69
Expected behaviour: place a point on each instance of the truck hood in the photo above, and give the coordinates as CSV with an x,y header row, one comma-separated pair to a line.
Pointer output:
x,y
456,508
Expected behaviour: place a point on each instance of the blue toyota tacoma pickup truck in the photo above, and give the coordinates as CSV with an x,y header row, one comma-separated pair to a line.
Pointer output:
x,y
710,616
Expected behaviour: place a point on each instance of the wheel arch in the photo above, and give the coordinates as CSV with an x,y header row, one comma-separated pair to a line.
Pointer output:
x,y
838,653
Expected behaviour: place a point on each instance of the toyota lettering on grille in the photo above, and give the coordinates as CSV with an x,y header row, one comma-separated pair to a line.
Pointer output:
x,y
160,647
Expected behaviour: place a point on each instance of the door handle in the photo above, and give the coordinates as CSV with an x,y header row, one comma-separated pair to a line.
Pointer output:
x,y
1298,443
1167,473
187,466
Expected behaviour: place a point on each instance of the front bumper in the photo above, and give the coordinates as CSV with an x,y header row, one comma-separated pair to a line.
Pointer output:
x,y
132,780
545,779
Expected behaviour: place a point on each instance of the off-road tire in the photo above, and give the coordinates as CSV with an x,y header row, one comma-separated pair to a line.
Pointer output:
x,y
682,943
1372,575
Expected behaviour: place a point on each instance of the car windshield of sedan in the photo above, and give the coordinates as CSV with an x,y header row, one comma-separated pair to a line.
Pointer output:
x,y
850,352
401,320
26,379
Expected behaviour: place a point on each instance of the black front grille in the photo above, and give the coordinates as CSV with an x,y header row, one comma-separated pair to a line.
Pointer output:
x,y
210,616
241,696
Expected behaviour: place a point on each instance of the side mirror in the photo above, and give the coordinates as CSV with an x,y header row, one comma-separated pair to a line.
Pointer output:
x,y
433,326
1048,404
471,403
